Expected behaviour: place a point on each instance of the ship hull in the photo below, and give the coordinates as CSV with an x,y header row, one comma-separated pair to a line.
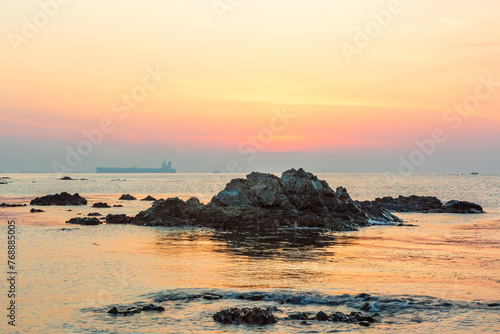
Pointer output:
x,y
134,170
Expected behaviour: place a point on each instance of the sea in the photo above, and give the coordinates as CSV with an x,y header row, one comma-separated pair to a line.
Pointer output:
x,y
438,274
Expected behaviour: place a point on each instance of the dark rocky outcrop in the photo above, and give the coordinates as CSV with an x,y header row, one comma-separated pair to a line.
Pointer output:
x,y
60,199
127,197
266,201
424,204
462,207
36,210
148,198
84,221
66,178
117,206
251,316
100,205
5,205
118,219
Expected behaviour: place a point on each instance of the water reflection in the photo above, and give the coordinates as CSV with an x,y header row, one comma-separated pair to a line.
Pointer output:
x,y
285,244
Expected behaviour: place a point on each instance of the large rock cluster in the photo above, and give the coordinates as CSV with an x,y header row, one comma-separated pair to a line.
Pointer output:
x,y
264,201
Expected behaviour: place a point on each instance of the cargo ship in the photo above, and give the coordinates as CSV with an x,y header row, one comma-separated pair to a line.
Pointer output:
x,y
165,168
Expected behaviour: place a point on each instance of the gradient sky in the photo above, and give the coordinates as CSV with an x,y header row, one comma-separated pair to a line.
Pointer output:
x,y
226,79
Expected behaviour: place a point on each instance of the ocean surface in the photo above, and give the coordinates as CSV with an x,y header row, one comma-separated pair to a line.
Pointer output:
x,y
440,276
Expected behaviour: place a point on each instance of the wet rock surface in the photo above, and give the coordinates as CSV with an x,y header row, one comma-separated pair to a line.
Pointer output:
x,y
59,199
266,201
84,221
424,204
118,219
251,316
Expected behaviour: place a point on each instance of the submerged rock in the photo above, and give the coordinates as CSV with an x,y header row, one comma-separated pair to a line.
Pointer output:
x,y
94,214
60,199
84,221
251,316
127,197
36,210
266,201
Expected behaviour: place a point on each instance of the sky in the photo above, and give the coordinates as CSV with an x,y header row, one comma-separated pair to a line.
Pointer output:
x,y
242,85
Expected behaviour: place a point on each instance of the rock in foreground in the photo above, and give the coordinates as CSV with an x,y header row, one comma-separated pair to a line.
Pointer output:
x,y
266,201
60,199
251,316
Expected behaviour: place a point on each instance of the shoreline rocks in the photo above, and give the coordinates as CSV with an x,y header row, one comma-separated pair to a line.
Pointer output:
x,y
59,199
100,205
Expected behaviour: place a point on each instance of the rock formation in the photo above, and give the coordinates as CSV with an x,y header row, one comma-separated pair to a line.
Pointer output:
x,y
266,201
60,199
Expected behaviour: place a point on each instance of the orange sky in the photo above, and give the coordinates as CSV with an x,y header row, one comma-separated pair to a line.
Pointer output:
x,y
225,77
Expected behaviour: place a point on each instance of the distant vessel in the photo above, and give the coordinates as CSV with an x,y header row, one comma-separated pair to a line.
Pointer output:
x,y
474,173
165,168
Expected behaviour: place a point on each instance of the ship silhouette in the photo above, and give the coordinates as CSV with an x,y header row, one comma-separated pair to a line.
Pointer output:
x,y
165,168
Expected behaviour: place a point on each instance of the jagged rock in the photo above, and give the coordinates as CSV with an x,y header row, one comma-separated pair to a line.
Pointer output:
x,y
100,205
148,198
84,221
253,316
127,197
60,199
265,201
36,210
118,219
462,207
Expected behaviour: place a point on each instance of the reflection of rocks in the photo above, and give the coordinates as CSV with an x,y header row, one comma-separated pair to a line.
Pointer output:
x,y
84,221
251,316
420,204
60,199
265,201
127,197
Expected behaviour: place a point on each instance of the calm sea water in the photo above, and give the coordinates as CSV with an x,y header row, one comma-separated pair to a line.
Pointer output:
x,y
436,277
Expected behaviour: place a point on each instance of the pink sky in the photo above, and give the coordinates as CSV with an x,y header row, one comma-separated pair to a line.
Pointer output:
x,y
225,77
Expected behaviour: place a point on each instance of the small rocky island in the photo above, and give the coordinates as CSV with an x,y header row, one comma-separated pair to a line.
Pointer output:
x,y
265,201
